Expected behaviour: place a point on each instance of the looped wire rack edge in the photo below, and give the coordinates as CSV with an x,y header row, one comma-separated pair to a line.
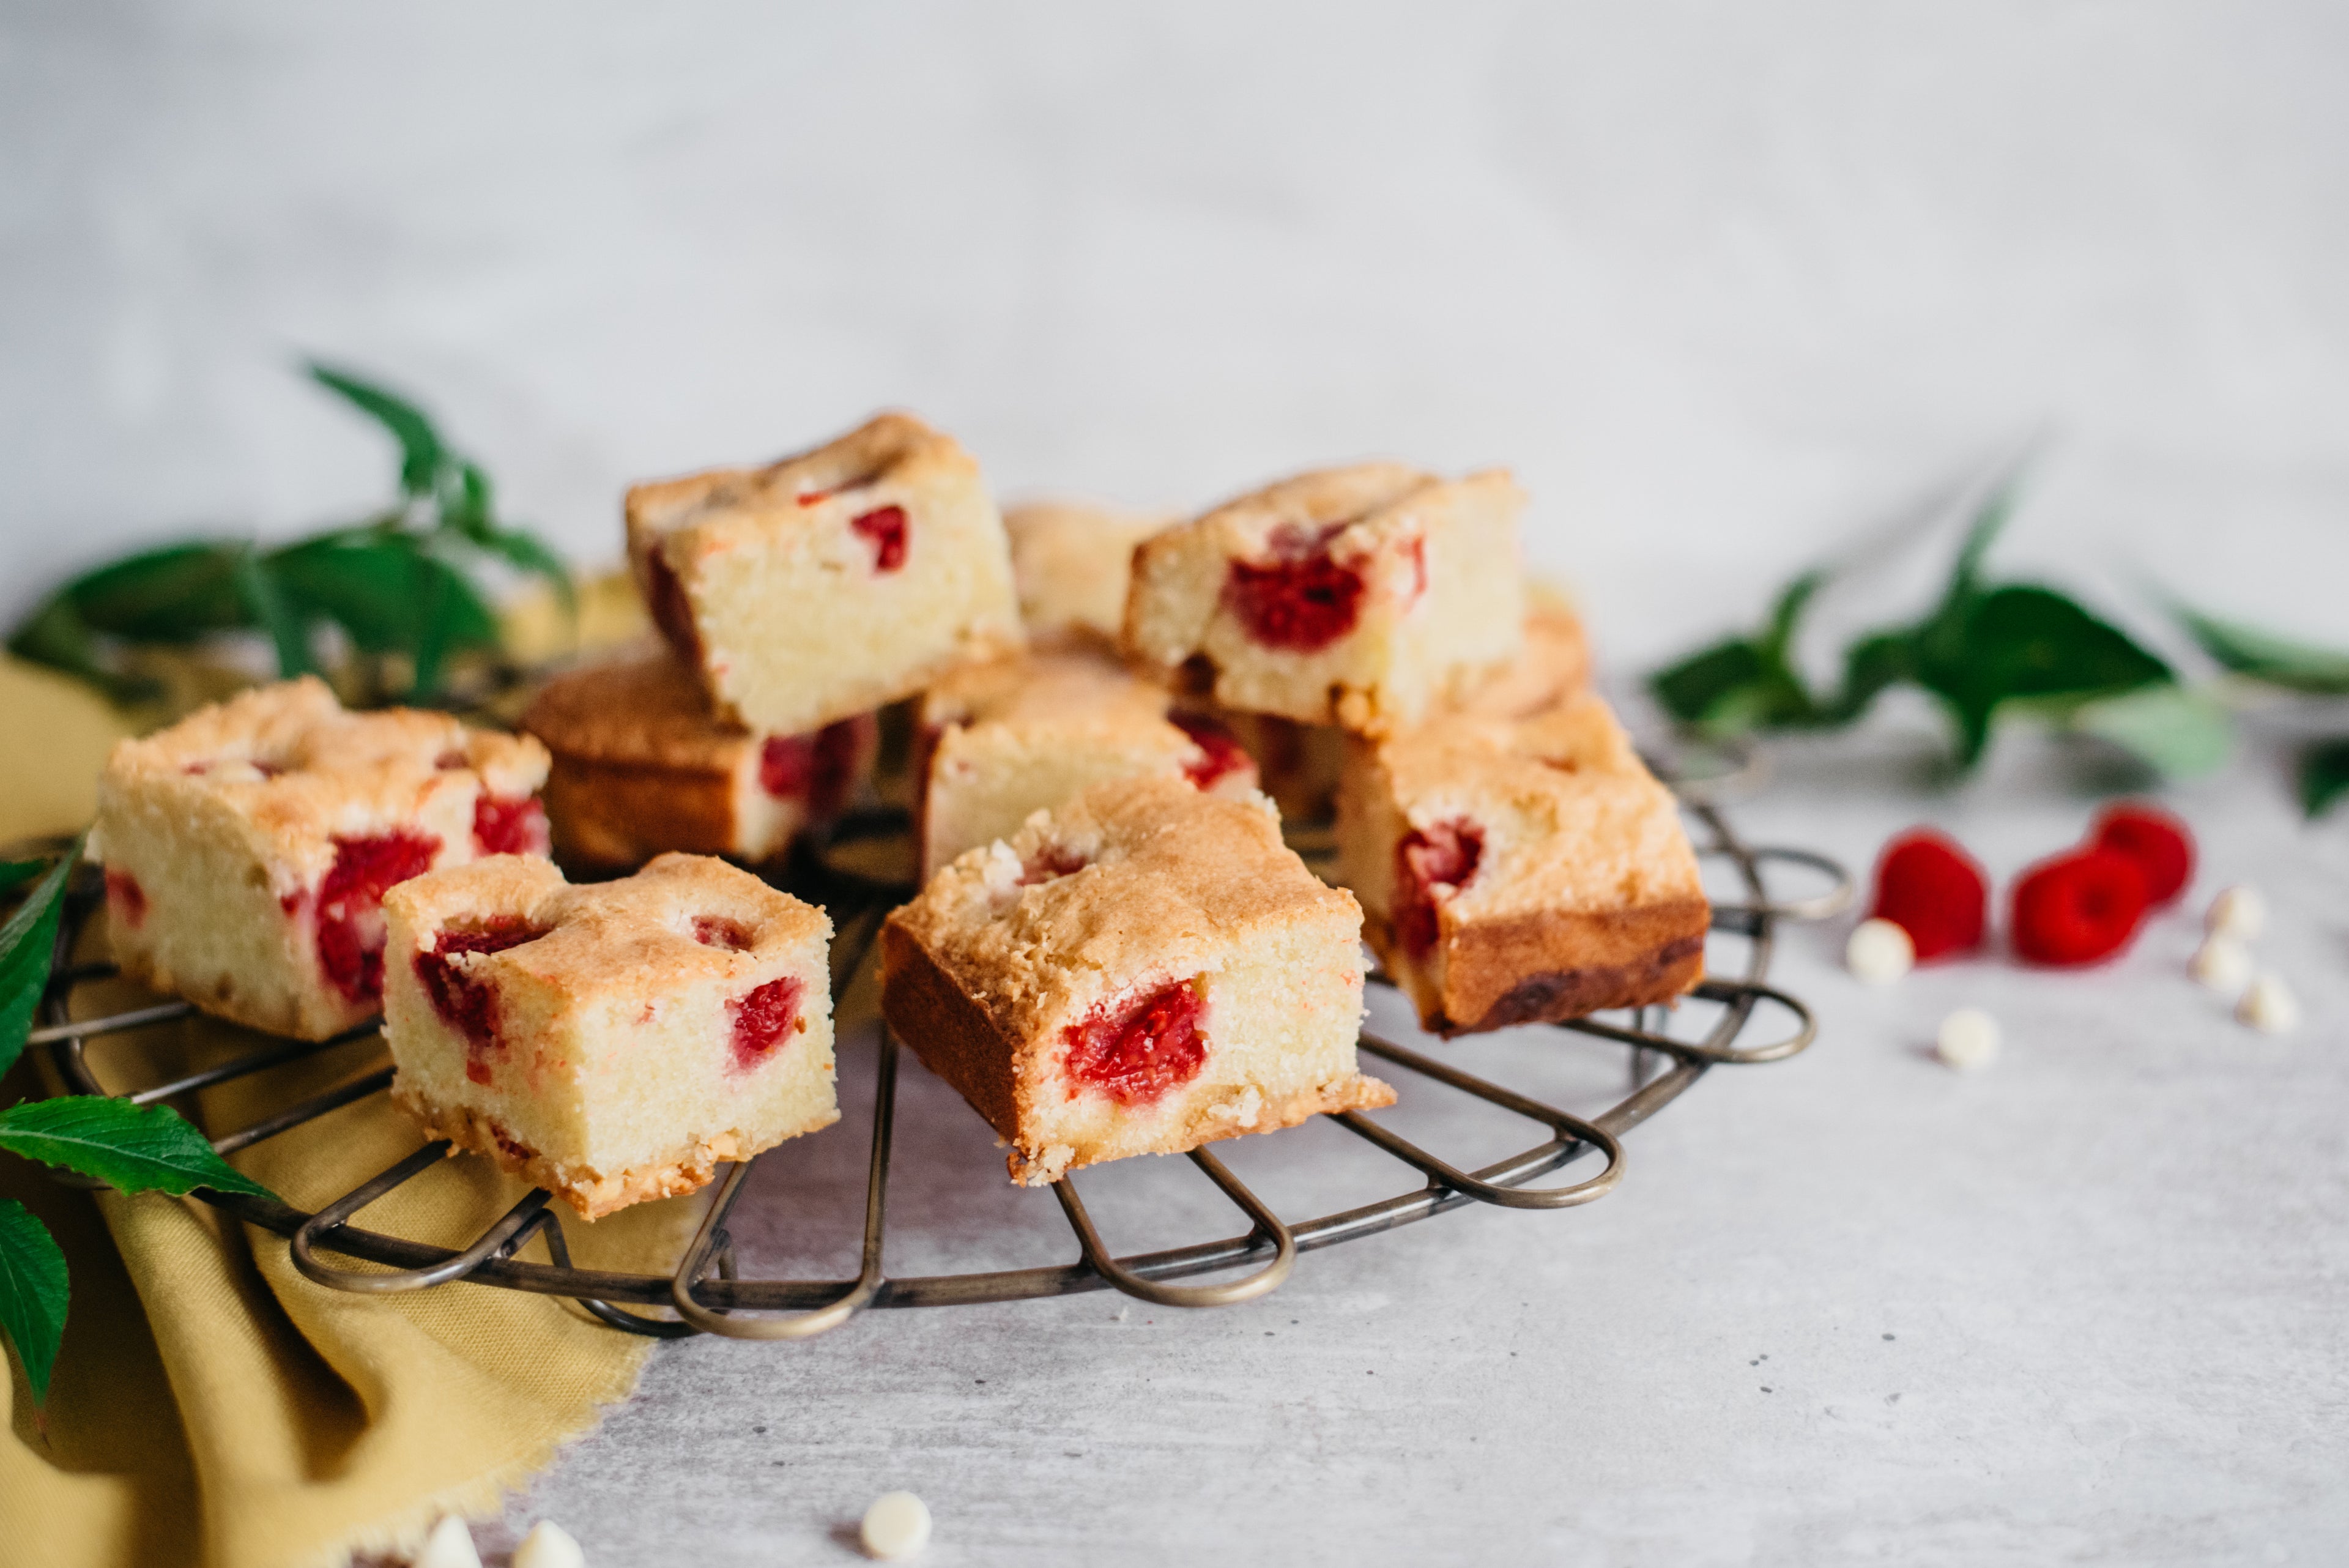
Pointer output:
x,y
705,1293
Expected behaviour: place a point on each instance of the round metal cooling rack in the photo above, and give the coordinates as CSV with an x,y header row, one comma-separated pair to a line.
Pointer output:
x,y
705,1293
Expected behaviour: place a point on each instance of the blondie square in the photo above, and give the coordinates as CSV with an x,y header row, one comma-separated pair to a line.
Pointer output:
x,y
247,848
642,766
610,1042
1001,740
1143,970
1520,870
826,585
1072,563
1358,597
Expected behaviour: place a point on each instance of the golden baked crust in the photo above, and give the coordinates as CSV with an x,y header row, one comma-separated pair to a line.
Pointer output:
x,y
643,709
1585,893
1135,888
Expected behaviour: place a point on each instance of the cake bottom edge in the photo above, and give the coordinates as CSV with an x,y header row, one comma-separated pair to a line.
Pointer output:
x,y
1356,1092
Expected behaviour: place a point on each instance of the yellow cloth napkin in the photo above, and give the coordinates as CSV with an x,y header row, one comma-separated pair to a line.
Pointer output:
x,y
213,1407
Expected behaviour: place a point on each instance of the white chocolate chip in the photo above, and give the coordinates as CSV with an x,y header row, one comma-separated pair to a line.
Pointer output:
x,y
2269,1006
2221,963
450,1545
2236,912
896,1526
1879,953
1968,1041
549,1545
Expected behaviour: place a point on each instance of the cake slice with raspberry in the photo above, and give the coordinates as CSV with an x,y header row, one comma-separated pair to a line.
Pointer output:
x,y
642,766
828,584
998,741
610,1042
1520,870
1071,564
1302,763
247,848
1358,597
1143,970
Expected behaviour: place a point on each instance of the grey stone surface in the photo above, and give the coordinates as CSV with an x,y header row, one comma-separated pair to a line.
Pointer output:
x,y
2083,1308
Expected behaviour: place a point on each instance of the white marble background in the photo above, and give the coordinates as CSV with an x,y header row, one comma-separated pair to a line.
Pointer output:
x,y
1724,282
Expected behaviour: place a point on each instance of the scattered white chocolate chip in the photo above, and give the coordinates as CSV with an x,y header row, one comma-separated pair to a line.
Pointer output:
x,y
1879,953
896,1526
2221,962
2269,1006
1968,1041
2236,912
549,1545
450,1545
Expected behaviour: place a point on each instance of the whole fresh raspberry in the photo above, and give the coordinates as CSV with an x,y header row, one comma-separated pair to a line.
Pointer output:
x,y
2158,843
2078,907
1931,887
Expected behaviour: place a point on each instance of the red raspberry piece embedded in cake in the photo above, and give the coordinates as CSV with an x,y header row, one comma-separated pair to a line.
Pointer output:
x,y
1050,862
1442,855
884,528
762,1019
125,901
2158,842
1931,887
1303,601
717,931
350,906
1136,1051
511,826
467,1005
819,768
1220,752
2078,907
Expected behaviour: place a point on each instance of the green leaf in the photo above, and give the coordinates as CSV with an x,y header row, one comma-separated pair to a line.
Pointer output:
x,y
28,943
2324,775
174,594
1746,683
421,456
1871,665
386,590
33,1291
525,552
55,636
1990,521
257,585
2023,643
131,1148
2278,661
2179,732
15,871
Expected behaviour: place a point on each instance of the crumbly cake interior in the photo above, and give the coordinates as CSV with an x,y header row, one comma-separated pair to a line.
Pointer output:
x,y
611,1042
1024,970
1071,564
247,847
1004,740
1547,836
829,583
1362,597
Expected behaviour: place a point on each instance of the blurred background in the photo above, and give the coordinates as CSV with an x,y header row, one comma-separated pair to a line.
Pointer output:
x,y
1726,284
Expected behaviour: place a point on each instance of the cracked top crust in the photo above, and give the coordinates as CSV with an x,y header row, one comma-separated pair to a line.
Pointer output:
x,y
293,768
625,939
1170,881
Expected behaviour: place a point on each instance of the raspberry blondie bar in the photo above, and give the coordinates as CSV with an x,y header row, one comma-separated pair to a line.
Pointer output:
x,y
1516,871
828,584
1000,741
1072,565
1359,597
641,765
610,1042
247,848
1143,970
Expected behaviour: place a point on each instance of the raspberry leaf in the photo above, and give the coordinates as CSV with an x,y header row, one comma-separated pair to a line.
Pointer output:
x,y
27,942
2276,660
421,456
2324,775
2177,732
131,1148
33,1289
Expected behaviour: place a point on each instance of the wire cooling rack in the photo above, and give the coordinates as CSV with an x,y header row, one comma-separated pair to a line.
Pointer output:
x,y
1668,1050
